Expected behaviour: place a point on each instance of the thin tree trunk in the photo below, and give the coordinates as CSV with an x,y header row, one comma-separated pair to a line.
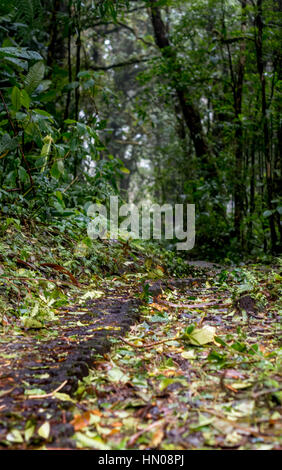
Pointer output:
x,y
252,192
66,115
53,33
266,140
77,70
277,163
189,109
56,47
77,66
277,180
238,96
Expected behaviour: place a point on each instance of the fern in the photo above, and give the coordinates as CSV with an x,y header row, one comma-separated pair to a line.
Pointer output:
x,y
34,77
25,8
6,6
27,11
37,9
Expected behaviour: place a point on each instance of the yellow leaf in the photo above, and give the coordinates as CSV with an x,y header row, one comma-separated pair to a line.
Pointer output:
x,y
44,430
189,354
203,335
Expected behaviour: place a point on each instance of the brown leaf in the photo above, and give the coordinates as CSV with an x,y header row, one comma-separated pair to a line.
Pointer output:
x,y
63,270
25,264
81,421
157,438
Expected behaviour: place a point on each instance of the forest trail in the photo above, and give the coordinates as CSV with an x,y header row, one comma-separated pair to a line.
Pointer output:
x,y
140,225
177,364
52,361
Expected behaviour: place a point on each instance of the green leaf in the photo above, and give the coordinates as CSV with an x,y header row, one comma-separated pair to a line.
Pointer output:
x,y
16,98
189,329
85,73
20,52
22,64
59,196
23,175
240,347
117,375
168,381
90,83
34,77
61,213
217,357
267,213
278,397
72,86
29,433
25,99
61,166
63,397
42,112
30,323
34,391
70,121
57,169
11,178
92,442
7,143
124,170
46,149
220,341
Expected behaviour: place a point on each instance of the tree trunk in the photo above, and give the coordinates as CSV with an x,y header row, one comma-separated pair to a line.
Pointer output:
x,y
56,49
77,70
68,100
238,82
77,65
189,109
266,140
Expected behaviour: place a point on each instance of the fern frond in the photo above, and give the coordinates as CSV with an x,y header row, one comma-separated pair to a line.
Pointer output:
x,y
28,11
25,11
34,77
7,6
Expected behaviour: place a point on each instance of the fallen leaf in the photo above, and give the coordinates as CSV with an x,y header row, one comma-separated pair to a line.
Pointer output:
x,y
81,421
202,336
117,375
157,438
15,436
92,442
44,430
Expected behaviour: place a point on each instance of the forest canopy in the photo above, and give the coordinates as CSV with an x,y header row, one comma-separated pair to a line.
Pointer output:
x,y
166,100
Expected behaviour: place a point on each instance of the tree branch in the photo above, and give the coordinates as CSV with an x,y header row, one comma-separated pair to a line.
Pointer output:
x,y
121,64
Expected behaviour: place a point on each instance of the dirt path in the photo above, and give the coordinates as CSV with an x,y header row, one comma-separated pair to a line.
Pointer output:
x,y
165,384
32,364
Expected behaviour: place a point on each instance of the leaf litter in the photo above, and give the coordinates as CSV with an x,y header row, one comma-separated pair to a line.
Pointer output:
x,y
141,360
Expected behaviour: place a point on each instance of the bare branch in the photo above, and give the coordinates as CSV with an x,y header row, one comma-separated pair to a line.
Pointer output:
x,y
121,64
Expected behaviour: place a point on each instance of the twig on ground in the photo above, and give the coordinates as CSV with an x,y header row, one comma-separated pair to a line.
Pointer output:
x,y
135,436
51,394
150,345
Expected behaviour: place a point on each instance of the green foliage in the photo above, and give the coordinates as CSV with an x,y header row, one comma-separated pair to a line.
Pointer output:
x,y
34,77
48,163
51,155
80,128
